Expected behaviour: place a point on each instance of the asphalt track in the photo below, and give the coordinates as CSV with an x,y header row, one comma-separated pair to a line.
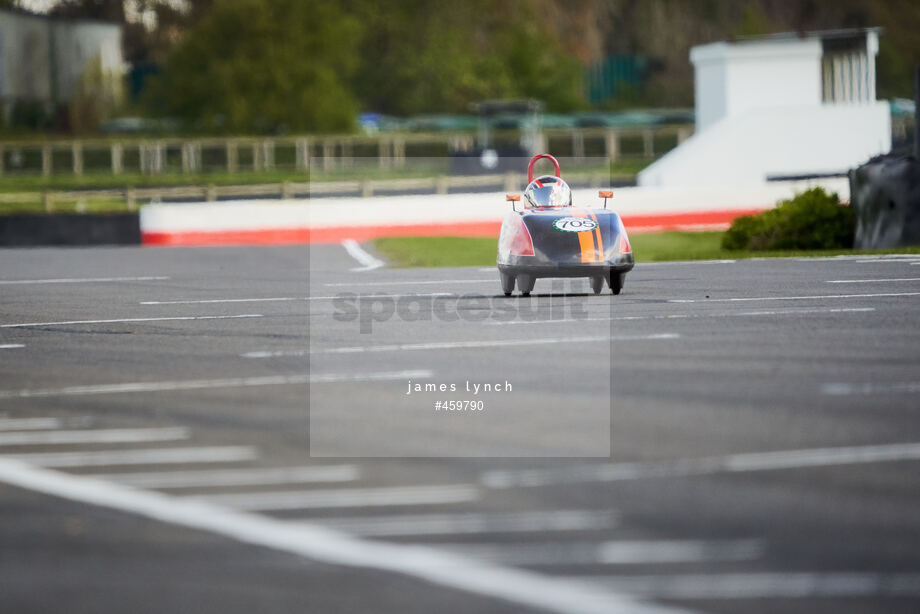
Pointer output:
x,y
210,430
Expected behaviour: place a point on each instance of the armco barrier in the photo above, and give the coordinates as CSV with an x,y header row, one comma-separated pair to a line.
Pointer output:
x,y
327,220
69,229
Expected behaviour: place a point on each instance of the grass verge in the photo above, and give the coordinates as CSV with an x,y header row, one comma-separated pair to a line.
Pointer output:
x,y
460,251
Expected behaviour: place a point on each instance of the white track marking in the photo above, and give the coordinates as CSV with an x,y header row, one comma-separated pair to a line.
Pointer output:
x,y
474,523
683,262
348,497
413,283
236,477
129,320
239,382
279,299
904,259
269,299
870,281
847,388
535,591
640,552
789,298
78,280
368,262
274,353
734,463
678,551
152,456
681,316
11,346
768,585
93,436
28,424
455,345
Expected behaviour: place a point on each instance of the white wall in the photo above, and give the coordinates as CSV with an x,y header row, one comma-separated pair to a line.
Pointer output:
x,y
731,79
430,209
801,140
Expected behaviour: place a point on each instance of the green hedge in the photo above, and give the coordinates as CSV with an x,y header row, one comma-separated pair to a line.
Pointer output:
x,y
811,220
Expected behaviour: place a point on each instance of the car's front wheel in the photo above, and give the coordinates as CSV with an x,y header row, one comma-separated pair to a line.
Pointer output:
x,y
615,281
525,284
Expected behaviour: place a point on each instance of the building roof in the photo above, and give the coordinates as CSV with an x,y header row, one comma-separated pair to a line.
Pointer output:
x,y
841,33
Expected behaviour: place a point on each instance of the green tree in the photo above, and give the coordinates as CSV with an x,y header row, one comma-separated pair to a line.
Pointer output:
x,y
263,65
424,56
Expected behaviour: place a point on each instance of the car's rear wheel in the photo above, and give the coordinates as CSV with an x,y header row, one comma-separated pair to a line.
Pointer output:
x,y
597,284
616,281
507,283
525,283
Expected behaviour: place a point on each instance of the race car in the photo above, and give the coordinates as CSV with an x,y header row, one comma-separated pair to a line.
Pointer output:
x,y
549,237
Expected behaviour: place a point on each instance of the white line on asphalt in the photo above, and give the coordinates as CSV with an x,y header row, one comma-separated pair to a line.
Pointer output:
x,y
39,438
28,424
11,346
239,382
270,299
766,585
78,280
150,456
273,299
455,345
680,316
638,552
904,259
535,591
788,298
474,524
275,353
236,477
678,551
848,388
368,262
682,262
128,320
869,281
734,463
413,283
347,497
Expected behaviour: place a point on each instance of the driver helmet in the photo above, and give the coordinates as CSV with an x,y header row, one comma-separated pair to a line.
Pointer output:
x,y
548,191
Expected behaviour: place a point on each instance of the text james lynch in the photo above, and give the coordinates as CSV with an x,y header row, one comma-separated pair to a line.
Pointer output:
x,y
475,388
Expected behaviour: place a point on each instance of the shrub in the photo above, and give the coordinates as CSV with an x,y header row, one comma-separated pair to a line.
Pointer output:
x,y
811,220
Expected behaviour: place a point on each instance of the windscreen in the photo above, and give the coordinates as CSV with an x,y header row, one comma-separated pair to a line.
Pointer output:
x,y
547,195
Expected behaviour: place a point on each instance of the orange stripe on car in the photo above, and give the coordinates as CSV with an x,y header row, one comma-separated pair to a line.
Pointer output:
x,y
598,238
586,240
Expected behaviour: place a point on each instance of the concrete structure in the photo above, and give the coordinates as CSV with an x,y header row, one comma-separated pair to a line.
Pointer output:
x,y
44,59
779,106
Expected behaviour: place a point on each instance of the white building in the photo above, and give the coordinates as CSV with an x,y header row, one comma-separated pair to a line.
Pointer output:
x,y
784,105
43,59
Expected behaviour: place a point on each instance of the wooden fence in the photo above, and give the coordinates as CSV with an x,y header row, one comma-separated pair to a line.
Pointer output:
x,y
508,182
244,154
